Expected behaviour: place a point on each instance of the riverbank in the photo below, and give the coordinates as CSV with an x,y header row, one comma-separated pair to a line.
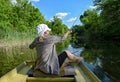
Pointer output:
x,y
12,39
11,43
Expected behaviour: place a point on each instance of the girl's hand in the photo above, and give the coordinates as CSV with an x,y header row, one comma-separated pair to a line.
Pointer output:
x,y
70,31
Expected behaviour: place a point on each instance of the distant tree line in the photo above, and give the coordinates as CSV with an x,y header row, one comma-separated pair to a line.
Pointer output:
x,y
100,23
22,16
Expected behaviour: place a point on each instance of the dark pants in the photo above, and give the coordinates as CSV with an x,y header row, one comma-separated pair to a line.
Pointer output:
x,y
61,58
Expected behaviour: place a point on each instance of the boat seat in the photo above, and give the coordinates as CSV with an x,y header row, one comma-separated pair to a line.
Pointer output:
x,y
56,79
67,71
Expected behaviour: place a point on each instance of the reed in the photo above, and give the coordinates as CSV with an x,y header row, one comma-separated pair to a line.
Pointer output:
x,y
14,38
10,58
14,50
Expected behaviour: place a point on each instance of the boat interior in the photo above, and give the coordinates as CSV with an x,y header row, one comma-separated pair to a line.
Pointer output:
x,y
75,72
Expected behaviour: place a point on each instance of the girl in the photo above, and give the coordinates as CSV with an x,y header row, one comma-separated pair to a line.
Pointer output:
x,y
48,61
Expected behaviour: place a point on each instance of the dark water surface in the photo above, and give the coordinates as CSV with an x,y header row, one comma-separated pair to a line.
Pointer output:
x,y
103,58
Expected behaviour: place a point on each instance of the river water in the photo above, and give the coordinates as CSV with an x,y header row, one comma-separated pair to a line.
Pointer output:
x,y
102,58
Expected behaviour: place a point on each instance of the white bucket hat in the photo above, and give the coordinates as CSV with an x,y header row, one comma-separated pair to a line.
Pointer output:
x,y
41,28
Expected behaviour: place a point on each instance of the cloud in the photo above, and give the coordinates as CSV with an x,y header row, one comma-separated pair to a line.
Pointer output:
x,y
72,19
13,2
93,7
51,19
34,0
61,15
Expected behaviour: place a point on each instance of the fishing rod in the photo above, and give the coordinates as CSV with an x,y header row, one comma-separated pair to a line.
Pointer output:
x,y
73,23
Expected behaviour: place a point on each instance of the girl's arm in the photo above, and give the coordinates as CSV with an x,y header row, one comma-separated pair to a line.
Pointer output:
x,y
66,34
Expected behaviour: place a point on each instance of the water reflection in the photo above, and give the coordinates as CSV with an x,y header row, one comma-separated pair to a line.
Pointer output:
x,y
75,50
103,59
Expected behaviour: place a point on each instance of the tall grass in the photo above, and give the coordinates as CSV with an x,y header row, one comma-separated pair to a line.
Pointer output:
x,y
12,56
14,37
14,49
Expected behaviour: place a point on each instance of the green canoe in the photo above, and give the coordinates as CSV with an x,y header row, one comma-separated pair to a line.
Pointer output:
x,y
19,74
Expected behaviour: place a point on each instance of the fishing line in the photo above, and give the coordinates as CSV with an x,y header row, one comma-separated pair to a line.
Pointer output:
x,y
74,22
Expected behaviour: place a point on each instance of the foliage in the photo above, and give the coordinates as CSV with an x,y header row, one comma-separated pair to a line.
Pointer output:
x,y
92,24
111,17
23,17
110,10
58,28
101,23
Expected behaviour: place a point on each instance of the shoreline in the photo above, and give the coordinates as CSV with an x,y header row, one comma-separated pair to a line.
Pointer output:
x,y
15,43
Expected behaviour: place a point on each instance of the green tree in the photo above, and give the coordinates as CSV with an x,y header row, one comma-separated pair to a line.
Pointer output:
x,y
28,16
92,23
58,28
110,10
21,16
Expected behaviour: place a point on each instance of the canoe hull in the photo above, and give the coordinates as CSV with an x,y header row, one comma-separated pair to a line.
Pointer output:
x,y
19,74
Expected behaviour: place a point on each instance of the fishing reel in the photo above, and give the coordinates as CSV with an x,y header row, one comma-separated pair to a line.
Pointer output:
x,y
72,31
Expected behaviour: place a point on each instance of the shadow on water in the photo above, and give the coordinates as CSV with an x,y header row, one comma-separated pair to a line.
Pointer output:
x,y
103,58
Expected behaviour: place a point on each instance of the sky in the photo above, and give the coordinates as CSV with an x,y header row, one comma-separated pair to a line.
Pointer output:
x,y
67,10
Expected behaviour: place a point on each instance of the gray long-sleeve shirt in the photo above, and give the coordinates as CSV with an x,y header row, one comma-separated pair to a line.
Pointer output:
x,y
47,59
